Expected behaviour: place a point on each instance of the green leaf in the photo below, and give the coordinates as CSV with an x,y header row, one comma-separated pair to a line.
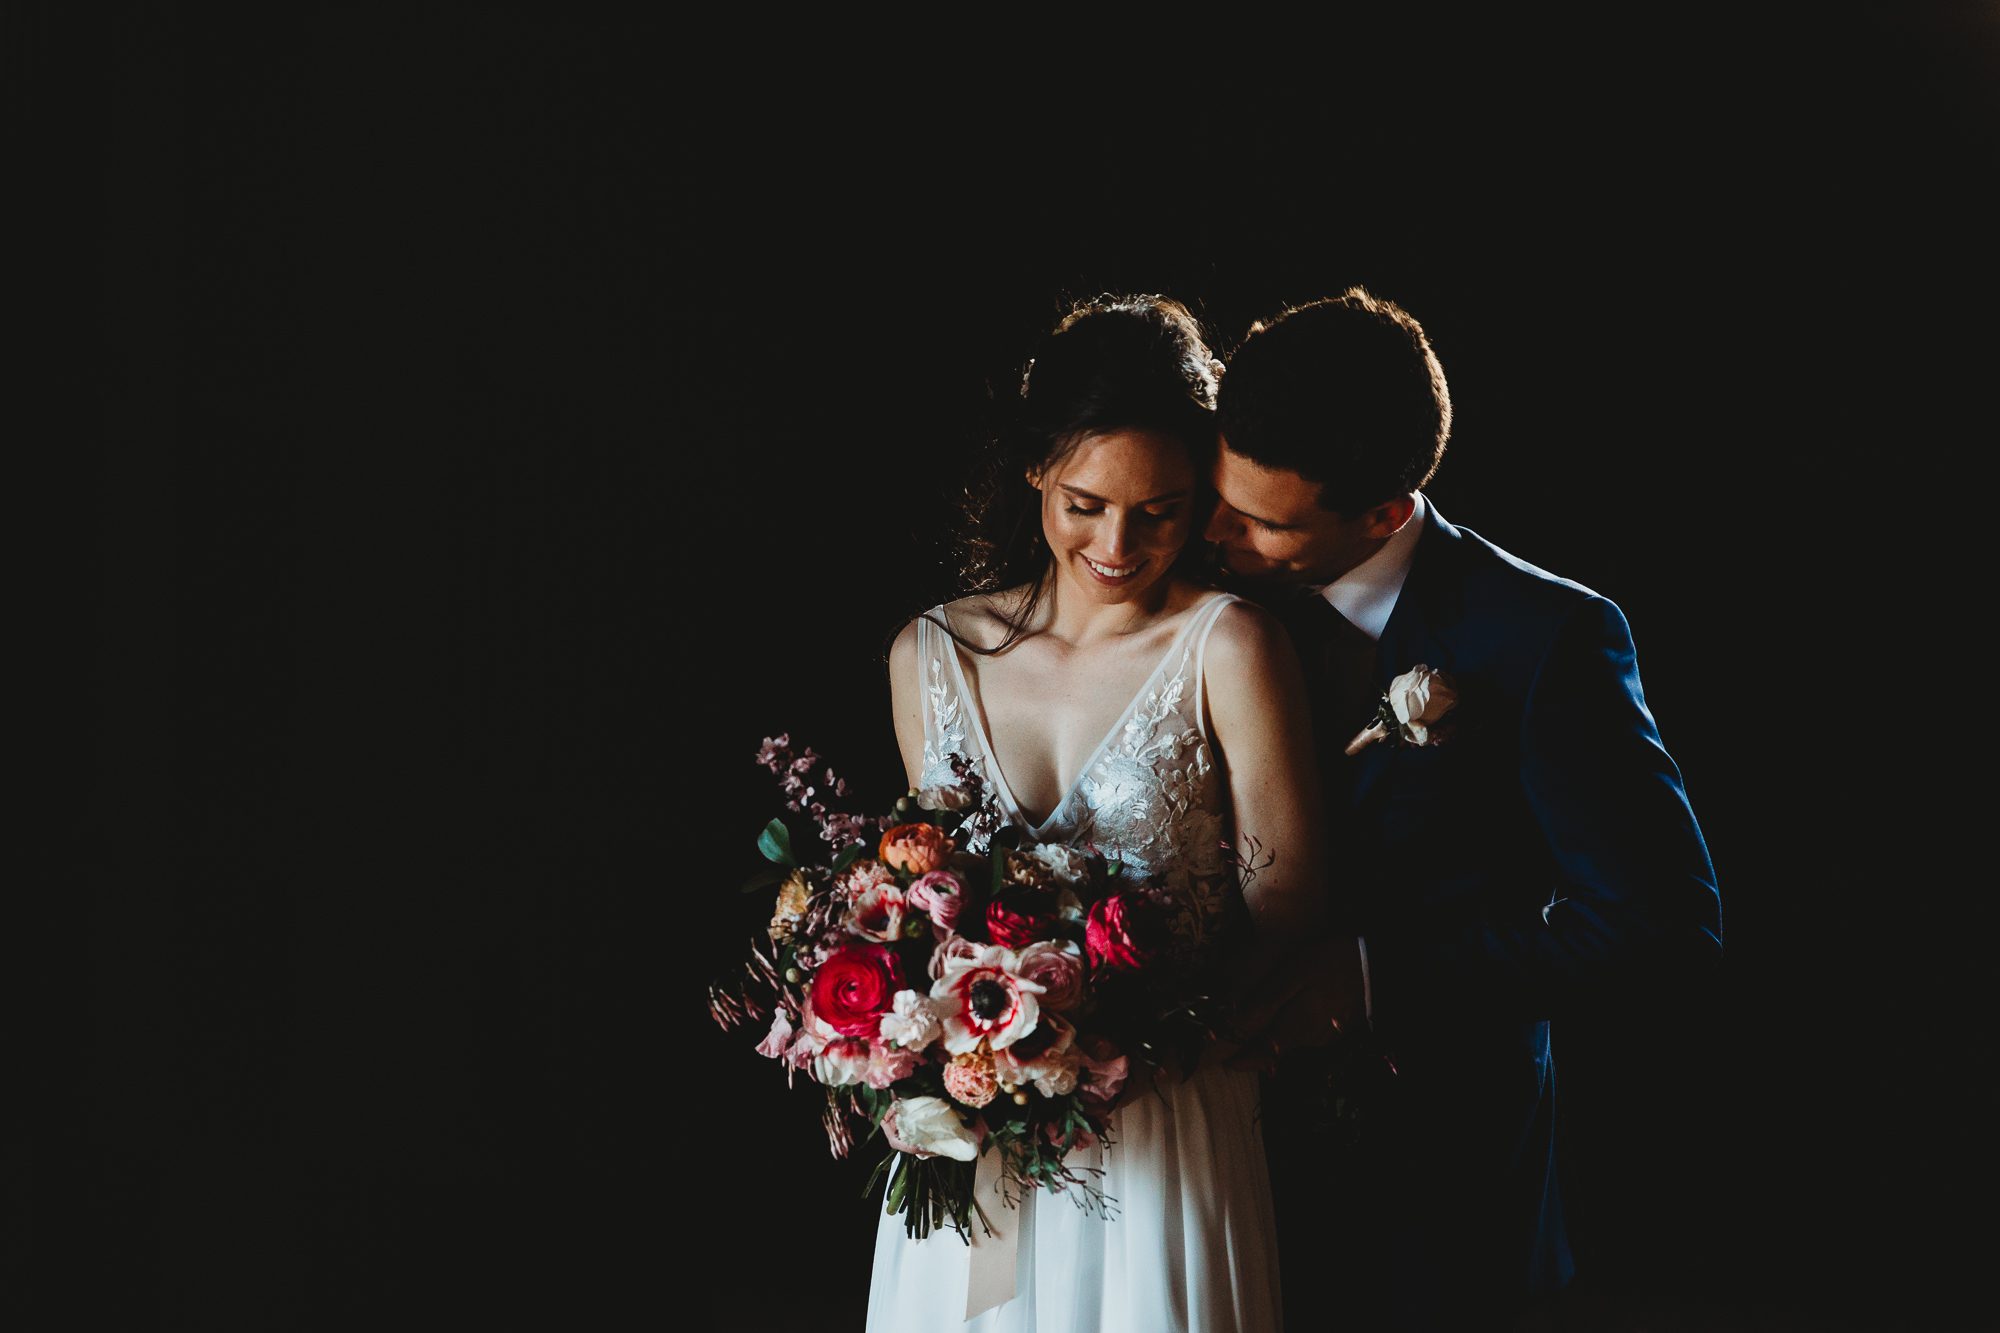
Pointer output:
x,y
776,843
767,878
875,1176
848,856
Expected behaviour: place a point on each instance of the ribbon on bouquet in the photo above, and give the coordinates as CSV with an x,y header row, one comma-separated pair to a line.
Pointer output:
x,y
989,1274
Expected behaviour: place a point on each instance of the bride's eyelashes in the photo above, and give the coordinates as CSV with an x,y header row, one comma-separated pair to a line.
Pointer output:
x,y
1162,516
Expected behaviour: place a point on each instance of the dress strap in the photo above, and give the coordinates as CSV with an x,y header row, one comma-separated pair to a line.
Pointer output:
x,y
1204,625
944,709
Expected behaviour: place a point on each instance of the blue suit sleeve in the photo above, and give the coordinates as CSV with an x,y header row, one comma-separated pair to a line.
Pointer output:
x,y
1635,897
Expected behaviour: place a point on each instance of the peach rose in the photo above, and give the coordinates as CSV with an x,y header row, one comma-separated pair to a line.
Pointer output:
x,y
969,1079
917,849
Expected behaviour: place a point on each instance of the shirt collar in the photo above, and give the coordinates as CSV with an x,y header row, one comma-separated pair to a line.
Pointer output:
x,y
1366,594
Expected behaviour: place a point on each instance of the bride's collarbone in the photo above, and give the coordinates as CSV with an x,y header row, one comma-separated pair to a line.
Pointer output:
x,y
1050,706
1044,671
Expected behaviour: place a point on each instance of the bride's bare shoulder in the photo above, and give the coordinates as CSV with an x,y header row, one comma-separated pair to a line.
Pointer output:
x,y
1247,644
981,620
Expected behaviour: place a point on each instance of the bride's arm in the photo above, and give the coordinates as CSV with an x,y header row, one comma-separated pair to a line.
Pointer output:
x,y
906,701
1260,720
1257,712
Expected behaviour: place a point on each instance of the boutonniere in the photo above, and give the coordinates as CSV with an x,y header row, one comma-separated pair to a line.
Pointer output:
x,y
1412,712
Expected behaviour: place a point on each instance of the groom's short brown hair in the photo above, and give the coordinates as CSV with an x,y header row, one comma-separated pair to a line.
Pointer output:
x,y
1345,392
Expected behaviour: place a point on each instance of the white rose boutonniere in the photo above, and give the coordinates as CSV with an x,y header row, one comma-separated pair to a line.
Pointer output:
x,y
1412,712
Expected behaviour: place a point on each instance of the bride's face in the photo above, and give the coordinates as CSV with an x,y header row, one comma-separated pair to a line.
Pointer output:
x,y
1117,511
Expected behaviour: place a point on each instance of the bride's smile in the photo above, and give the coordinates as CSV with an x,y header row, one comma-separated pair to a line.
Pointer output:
x,y
1116,512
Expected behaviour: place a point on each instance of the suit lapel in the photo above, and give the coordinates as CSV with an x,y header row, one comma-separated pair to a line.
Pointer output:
x,y
1427,602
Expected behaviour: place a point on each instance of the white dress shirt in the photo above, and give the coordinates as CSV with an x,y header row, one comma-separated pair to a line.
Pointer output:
x,y
1366,595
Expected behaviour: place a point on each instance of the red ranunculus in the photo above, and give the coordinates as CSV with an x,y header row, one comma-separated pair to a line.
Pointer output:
x,y
1009,922
855,987
1121,932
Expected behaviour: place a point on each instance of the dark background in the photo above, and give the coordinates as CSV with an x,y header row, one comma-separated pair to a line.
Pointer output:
x,y
499,424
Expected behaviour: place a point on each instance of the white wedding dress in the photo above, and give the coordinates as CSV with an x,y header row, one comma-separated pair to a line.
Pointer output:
x,y
1191,1247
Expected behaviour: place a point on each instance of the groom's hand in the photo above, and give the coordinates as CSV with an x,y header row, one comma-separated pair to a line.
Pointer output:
x,y
1308,1000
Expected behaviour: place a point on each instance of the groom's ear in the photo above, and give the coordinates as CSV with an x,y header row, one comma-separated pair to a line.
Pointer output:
x,y
1385,520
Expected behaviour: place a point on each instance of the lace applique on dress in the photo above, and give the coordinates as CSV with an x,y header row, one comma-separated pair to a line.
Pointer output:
x,y
944,725
1150,798
946,736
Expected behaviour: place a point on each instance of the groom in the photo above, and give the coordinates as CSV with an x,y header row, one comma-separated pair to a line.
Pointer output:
x,y
1541,858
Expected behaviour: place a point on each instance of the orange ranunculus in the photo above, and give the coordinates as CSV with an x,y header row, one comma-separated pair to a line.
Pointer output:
x,y
916,849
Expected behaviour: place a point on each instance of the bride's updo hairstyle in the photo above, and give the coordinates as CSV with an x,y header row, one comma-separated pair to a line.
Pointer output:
x,y
1114,363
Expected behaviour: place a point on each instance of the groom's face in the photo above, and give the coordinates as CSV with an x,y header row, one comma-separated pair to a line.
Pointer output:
x,y
1269,525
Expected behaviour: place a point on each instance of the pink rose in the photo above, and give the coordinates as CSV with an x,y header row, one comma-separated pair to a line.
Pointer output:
x,y
1104,1070
1122,931
953,946
1058,966
941,894
855,987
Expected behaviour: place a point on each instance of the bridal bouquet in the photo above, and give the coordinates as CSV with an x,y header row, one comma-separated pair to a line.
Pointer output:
x,y
957,1003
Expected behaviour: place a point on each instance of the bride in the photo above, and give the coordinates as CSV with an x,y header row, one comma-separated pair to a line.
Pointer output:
x,y
1108,698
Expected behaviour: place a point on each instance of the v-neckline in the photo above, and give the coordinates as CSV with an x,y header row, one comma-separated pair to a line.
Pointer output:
x,y
978,717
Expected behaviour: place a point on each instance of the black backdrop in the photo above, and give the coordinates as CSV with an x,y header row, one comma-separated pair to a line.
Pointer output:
x,y
504,422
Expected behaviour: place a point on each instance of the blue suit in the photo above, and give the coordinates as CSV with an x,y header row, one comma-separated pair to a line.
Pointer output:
x,y
1544,858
